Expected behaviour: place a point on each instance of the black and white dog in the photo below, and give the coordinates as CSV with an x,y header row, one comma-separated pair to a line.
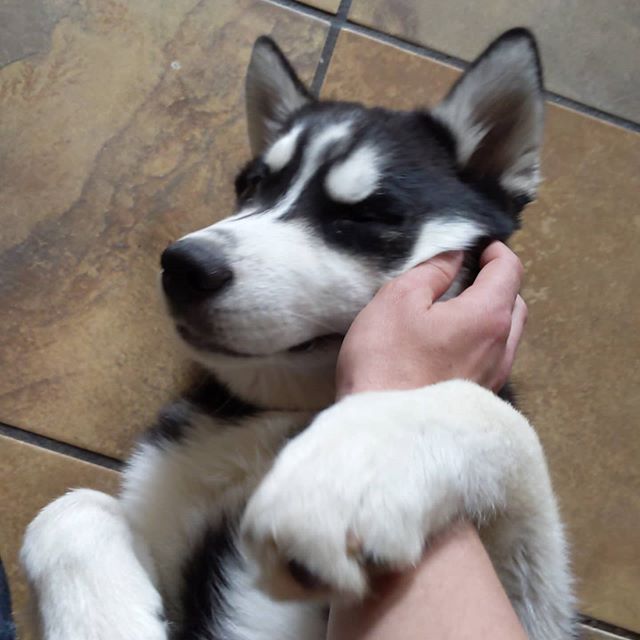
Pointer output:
x,y
239,509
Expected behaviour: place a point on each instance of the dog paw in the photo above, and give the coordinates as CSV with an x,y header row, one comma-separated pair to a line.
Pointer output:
x,y
354,493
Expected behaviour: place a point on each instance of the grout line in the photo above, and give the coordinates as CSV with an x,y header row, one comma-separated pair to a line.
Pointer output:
x,y
459,63
300,7
418,49
598,114
600,625
339,21
16,433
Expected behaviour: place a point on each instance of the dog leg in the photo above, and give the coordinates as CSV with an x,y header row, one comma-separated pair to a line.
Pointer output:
x,y
379,473
87,575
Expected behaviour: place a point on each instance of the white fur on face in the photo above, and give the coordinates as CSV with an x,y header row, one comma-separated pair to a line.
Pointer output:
x,y
281,152
356,177
313,156
288,286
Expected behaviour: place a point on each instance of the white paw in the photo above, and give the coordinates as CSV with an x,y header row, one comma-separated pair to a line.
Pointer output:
x,y
79,556
363,486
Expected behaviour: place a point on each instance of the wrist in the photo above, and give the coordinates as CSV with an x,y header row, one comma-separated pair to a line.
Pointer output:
x,y
381,381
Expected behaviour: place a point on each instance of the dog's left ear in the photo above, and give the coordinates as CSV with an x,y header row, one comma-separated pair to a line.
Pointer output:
x,y
273,92
495,112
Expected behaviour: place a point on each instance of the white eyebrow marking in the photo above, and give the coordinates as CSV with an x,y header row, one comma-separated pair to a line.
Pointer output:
x,y
354,178
312,156
282,150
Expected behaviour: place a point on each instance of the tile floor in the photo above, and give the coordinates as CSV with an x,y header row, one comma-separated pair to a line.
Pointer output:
x,y
122,128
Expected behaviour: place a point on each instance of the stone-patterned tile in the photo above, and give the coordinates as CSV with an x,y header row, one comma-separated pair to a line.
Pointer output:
x,y
30,478
578,371
26,26
330,6
590,48
124,134
580,364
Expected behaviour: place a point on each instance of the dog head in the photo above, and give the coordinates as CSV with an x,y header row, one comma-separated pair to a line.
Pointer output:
x,y
339,198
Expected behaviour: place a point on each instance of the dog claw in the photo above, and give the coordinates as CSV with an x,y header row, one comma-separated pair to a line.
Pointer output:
x,y
354,544
303,576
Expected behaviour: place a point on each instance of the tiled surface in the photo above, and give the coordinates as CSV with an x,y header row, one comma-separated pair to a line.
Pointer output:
x,y
326,5
580,364
108,151
122,134
579,369
30,478
25,28
590,47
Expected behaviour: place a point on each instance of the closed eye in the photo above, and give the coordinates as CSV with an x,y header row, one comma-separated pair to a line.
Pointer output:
x,y
250,178
374,210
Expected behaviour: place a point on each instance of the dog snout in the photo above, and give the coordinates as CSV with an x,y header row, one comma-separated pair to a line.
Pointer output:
x,y
193,270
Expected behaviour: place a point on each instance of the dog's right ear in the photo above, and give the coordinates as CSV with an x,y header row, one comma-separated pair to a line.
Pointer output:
x,y
273,92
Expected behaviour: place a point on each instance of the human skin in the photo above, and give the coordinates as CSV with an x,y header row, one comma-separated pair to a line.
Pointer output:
x,y
453,594
405,339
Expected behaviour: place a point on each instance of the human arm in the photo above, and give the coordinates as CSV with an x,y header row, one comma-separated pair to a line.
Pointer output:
x,y
403,340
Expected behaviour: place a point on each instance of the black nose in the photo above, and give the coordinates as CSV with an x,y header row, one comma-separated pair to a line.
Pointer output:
x,y
192,270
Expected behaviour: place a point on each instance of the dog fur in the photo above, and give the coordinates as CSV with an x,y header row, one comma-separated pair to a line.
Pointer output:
x,y
239,509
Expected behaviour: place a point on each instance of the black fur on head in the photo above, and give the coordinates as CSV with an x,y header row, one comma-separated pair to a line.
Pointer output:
x,y
476,155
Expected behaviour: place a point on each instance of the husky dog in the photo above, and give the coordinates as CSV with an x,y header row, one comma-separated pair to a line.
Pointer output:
x,y
239,508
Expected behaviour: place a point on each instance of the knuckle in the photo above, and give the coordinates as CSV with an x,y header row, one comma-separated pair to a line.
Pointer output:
x,y
399,289
499,324
516,265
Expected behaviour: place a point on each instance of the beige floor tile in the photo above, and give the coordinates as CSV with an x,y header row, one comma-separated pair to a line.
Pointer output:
x,y
30,478
326,5
26,26
579,368
124,133
590,48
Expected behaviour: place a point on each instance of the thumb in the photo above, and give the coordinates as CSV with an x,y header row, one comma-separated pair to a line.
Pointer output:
x,y
436,275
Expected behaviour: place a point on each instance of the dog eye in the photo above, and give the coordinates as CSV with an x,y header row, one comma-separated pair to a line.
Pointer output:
x,y
370,216
249,181
251,186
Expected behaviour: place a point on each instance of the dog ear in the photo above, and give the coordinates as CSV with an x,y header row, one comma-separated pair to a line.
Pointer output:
x,y
495,112
273,92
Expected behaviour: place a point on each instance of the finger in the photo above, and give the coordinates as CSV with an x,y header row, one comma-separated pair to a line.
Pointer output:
x,y
499,279
431,279
518,322
495,250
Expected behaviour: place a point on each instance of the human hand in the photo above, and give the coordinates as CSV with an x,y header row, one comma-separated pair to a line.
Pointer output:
x,y
405,339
